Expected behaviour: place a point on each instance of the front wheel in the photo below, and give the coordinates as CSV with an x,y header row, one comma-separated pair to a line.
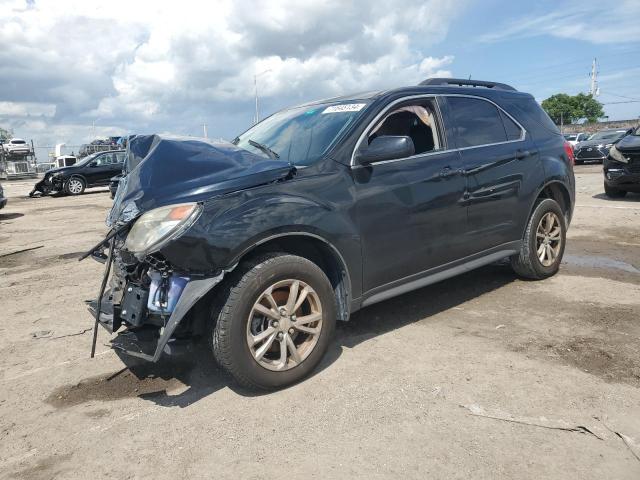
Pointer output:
x,y
277,316
74,186
543,243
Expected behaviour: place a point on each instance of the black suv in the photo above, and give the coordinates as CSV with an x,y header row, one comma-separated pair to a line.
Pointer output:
x,y
92,171
261,244
622,167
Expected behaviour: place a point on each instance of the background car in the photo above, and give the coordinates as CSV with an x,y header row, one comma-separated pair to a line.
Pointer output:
x,y
622,167
16,146
597,147
575,138
3,199
93,171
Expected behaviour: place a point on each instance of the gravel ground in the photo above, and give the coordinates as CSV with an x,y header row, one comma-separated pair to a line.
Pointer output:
x,y
481,376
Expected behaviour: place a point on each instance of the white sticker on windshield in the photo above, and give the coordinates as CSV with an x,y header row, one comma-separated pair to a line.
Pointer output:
x,y
347,107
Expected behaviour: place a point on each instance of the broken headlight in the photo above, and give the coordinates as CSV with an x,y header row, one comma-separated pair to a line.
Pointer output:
x,y
156,227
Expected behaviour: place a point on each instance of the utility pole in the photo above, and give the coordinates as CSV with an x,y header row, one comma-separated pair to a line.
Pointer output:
x,y
256,119
594,90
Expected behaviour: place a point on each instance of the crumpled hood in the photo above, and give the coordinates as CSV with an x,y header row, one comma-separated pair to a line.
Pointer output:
x,y
59,170
162,170
630,143
593,143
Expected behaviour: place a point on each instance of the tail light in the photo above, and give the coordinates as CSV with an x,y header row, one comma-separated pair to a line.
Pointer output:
x,y
568,149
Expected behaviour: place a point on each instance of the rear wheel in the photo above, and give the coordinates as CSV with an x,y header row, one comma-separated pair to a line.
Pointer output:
x,y
276,321
543,243
74,186
613,192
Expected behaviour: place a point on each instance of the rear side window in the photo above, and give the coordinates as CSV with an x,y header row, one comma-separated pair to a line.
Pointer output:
x,y
475,122
510,127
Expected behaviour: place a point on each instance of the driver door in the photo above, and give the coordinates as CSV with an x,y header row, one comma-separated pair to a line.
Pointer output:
x,y
99,170
410,211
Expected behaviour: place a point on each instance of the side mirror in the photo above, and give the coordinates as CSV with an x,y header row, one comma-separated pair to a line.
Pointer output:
x,y
386,148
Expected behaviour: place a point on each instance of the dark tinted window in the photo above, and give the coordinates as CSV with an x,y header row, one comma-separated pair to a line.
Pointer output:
x,y
511,127
475,122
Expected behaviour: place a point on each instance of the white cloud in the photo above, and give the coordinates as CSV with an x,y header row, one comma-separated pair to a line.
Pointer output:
x,y
590,21
143,66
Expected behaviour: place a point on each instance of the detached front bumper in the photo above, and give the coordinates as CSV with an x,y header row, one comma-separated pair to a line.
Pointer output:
x,y
140,332
48,184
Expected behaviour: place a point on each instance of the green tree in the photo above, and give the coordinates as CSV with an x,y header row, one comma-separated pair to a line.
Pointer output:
x,y
563,108
5,135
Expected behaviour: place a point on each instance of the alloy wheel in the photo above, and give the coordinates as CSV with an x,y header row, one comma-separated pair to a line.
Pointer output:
x,y
284,325
75,186
548,239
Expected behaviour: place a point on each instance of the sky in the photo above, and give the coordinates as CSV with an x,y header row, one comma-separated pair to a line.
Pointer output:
x,y
75,70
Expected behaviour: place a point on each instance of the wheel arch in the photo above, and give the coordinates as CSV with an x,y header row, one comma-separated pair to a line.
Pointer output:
x,y
317,250
77,175
558,191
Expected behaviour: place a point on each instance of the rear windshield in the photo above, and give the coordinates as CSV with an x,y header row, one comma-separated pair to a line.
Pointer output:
x,y
301,135
18,142
570,137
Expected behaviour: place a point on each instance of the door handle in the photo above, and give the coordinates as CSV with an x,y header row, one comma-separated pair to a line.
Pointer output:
x,y
449,172
522,154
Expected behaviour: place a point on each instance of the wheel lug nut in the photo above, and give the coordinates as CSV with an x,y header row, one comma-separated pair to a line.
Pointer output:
x,y
291,330
275,324
280,335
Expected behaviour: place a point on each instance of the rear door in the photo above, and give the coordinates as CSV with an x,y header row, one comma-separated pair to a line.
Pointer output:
x,y
500,162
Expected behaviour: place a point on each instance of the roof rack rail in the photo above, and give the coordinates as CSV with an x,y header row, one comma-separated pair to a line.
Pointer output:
x,y
467,83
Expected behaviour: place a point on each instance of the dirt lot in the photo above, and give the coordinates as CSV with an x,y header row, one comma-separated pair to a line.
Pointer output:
x,y
481,376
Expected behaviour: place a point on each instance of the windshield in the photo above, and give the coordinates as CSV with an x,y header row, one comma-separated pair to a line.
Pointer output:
x,y
86,159
570,136
608,135
300,135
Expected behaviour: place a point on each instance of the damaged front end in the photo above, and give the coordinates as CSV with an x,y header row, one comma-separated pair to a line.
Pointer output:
x,y
151,303
146,300
52,182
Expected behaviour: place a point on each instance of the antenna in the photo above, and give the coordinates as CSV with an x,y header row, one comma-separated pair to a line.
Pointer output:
x,y
594,90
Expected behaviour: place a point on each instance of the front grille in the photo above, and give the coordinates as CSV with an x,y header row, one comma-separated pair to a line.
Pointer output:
x,y
634,165
584,154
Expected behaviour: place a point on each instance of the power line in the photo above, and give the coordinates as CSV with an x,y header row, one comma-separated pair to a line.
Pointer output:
x,y
619,103
621,96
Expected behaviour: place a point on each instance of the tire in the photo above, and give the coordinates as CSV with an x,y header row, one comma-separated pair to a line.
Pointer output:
x,y
527,263
235,321
75,186
613,192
